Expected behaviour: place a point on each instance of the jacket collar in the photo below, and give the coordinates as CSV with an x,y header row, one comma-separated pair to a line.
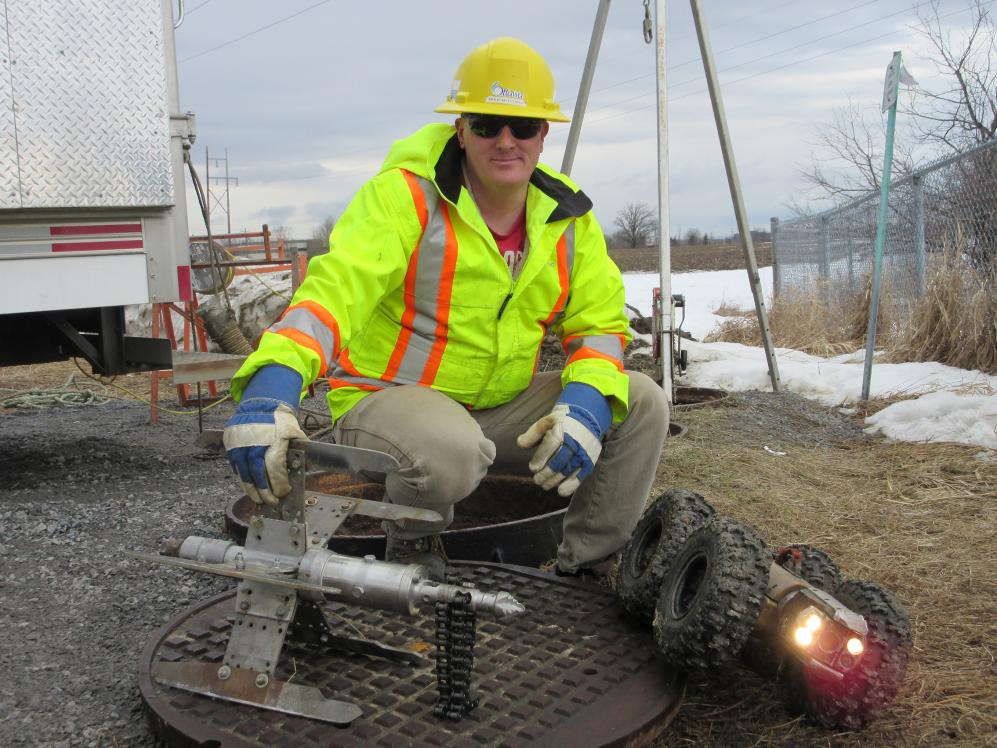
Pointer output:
x,y
568,203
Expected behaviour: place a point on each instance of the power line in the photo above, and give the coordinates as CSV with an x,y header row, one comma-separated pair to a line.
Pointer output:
x,y
765,72
254,31
197,7
759,58
678,65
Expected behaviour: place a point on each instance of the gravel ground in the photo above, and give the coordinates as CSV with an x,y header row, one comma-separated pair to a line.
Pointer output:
x,y
81,487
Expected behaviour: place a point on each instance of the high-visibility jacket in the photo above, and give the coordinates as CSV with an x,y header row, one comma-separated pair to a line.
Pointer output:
x,y
414,290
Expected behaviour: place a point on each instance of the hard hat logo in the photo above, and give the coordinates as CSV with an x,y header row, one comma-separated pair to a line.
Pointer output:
x,y
504,77
503,95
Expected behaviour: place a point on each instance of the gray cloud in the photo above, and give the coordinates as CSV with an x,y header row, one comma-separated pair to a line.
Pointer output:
x,y
337,84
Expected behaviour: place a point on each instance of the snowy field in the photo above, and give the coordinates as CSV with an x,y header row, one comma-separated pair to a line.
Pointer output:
x,y
953,405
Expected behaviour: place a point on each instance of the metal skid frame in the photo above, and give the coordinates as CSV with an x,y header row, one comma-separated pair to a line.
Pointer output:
x,y
268,608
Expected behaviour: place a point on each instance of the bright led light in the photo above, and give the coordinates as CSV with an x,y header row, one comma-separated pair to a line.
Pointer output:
x,y
854,646
813,622
804,636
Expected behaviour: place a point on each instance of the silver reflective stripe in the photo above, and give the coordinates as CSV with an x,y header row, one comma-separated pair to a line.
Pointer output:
x,y
607,344
301,318
428,274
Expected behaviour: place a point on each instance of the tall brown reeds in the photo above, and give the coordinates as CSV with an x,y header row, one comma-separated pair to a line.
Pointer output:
x,y
801,321
955,321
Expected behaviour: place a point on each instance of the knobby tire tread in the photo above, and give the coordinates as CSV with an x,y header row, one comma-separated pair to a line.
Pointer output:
x,y
674,517
723,613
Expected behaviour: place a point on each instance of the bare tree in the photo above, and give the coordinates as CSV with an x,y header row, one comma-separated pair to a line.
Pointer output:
x,y
635,222
848,152
848,157
965,111
320,236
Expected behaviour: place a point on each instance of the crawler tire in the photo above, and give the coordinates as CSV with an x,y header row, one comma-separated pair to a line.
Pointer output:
x,y
711,596
866,691
660,534
814,566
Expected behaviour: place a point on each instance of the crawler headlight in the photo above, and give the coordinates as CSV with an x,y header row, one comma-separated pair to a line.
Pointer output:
x,y
803,636
808,622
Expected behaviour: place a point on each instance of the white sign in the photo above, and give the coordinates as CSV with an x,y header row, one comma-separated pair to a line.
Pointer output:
x,y
896,74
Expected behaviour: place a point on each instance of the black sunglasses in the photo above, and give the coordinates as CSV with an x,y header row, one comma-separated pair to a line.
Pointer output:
x,y
490,125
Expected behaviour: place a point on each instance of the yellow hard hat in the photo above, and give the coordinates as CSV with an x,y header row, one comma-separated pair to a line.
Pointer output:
x,y
505,77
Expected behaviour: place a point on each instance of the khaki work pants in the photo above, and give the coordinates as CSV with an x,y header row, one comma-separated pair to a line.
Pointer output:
x,y
445,450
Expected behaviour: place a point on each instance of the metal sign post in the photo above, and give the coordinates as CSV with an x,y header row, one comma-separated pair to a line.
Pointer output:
x,y
895,74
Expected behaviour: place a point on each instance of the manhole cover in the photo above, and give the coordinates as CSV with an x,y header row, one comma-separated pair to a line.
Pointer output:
x,y
573,671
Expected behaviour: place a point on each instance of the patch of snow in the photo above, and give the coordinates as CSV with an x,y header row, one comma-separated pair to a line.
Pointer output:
x,y
947,405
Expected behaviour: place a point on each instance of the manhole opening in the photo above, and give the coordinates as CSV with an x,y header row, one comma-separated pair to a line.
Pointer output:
x,y
508,519
698,397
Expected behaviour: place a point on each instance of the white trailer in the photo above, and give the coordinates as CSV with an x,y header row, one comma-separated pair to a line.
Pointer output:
x,y
92,208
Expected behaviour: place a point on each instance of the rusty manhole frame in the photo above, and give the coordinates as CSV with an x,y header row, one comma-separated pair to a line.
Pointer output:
x,y
525,539
573,671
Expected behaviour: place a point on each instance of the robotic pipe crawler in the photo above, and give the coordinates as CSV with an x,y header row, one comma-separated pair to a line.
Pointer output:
x,y
285,571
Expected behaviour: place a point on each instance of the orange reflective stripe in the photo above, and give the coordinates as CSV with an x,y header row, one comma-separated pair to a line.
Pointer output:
x,y
562,277
306,341
324,316
407,316
344,361
339,383
585,352
417,197
443,301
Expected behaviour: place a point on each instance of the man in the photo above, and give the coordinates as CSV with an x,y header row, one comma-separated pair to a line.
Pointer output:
x,y
427,316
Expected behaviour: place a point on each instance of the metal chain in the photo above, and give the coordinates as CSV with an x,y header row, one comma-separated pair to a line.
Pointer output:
x,y
455,634
648,26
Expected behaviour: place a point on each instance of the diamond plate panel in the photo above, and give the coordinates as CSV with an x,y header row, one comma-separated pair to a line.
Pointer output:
x,y
9,184
90,102
573,671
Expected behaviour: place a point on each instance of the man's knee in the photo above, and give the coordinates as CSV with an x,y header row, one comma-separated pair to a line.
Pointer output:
x,y
453,467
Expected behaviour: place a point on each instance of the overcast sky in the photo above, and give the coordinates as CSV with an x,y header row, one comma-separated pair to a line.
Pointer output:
x,y
307,107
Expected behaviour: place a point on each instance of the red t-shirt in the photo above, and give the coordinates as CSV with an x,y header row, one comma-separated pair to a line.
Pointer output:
x,y
510,245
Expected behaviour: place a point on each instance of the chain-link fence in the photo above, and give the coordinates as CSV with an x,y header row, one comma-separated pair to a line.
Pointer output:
x,y
950,205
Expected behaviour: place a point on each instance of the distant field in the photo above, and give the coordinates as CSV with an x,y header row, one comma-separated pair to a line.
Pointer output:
x,y
687,258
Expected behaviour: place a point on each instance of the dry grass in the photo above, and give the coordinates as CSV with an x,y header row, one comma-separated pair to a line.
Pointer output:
x,y
726,309
952,323
802,322
918,519
74,376
955,322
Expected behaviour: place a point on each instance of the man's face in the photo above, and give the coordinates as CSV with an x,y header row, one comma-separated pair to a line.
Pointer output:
x,y
503,161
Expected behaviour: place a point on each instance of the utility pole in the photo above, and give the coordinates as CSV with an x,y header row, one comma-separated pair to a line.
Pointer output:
x,y
225,180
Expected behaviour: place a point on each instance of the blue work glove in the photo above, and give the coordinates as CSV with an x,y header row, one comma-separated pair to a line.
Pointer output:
x,y
570,438
258,434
